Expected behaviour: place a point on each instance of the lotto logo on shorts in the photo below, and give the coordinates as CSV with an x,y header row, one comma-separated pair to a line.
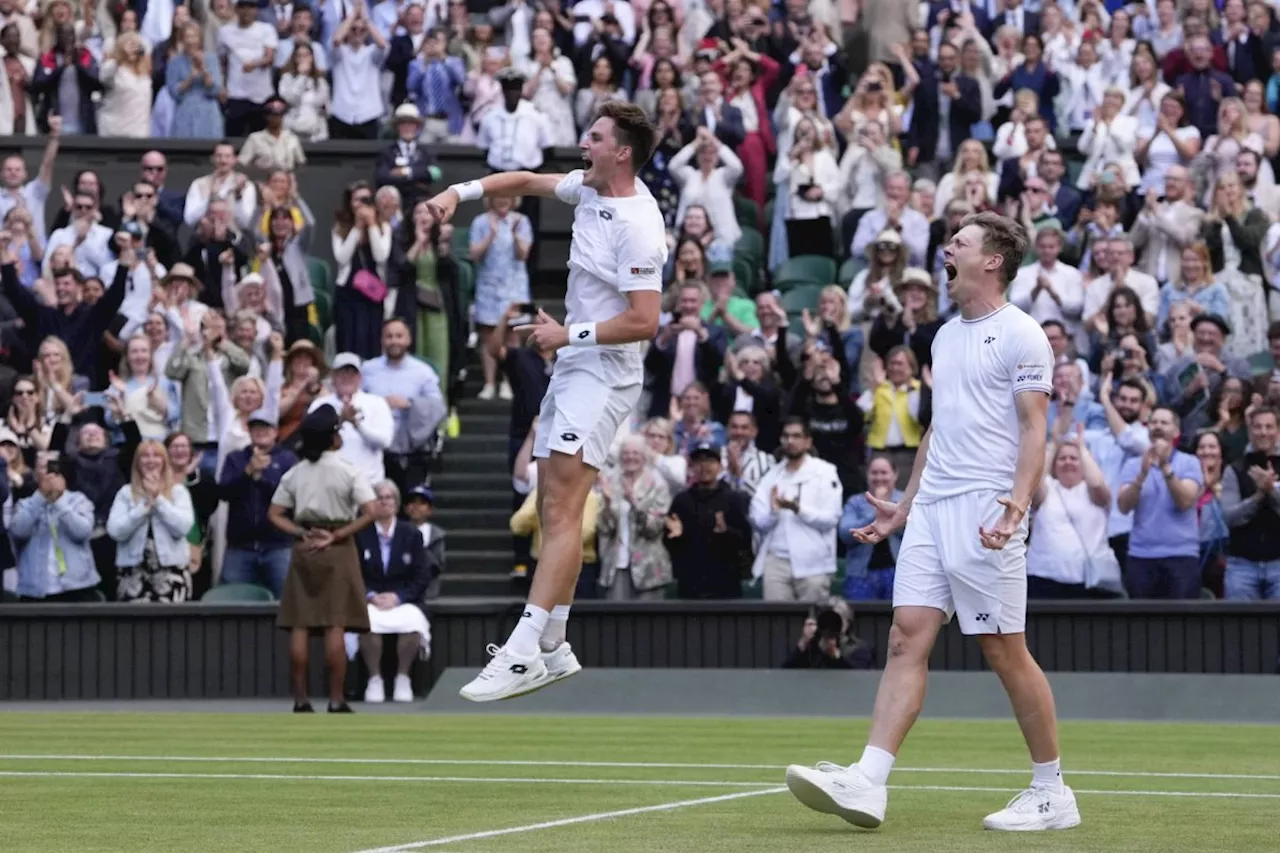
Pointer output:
x,y
643,271
568,436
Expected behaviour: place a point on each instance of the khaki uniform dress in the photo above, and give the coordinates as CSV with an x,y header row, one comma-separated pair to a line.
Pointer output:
x,y
324,589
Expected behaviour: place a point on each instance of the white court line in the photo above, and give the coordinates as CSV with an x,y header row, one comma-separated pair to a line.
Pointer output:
x,y
569,821
458,762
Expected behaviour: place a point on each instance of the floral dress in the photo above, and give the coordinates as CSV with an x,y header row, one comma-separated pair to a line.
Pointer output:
x,y
551,103
501,277
150,581
1248,318
656,173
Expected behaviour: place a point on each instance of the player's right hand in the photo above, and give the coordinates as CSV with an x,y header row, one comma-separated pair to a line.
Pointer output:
x,y
444,205
889,518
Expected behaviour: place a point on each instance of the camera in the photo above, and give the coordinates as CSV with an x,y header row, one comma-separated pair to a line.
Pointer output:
x,y
875,86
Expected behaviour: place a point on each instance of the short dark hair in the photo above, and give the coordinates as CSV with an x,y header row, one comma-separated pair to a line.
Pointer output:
x,y
632,129
1057,324
1264,410
796,421
1001,236
751,416
1135,384
1177,419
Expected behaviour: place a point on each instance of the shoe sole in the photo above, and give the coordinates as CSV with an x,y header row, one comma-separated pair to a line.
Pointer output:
x,y
819,800
1069,821
531,687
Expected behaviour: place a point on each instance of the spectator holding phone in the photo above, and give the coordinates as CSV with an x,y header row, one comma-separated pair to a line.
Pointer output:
x,y
55,564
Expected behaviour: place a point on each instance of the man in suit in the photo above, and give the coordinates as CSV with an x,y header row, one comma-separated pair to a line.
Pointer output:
x,y
946,106
394,565
1067,200
1015,15
403,48
407,164
820,58
713,113
419,506
1166,226
154,169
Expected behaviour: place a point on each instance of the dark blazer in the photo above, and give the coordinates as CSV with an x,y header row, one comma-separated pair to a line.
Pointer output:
x,y
729,129
965,111
408,573
44,88
769,407
81,330
413,186
1068,199
170,206
249,498
659,360
1243,67
1030,23
400,53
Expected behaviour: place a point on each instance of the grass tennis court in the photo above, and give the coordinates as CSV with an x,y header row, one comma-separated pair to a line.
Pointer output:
x,y
171,783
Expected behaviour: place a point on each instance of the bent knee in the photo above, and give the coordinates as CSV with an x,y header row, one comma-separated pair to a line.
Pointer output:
x,y
909,643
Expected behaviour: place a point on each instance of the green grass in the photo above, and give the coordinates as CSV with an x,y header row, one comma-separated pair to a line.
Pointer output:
x,y
116,812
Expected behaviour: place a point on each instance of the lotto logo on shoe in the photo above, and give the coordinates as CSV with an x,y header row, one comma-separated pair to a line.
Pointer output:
x,y
1043,807
519,668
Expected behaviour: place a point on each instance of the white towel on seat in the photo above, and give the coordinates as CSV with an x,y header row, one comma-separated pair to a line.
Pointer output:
x,y
404,619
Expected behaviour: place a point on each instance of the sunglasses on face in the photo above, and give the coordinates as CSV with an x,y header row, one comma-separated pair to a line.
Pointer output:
x,y
886,247
144,195
362,199
24,392
83,207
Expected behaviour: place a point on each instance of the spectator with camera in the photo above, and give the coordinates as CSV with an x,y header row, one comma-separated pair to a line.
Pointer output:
x,y
1160,490
795,511
54,526
827,642
1069,406
708,532
1251,504
869,570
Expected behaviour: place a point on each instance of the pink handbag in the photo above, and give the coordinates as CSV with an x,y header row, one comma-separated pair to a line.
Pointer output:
x,y
369,286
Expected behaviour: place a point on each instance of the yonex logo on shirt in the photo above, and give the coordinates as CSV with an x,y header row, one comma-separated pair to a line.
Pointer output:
x,y
988,340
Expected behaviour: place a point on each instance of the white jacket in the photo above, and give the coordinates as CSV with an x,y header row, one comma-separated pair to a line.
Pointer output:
x,y
1113,142
170,521
811,532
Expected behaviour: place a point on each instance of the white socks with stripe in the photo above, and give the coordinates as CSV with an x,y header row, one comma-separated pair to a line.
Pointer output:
x,y
523,642
553,634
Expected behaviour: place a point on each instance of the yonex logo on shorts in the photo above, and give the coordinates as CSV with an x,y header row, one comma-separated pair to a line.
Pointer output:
x,y
568,436
981,617
643,270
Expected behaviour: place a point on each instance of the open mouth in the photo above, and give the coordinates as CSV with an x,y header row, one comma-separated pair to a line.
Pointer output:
x,y
950,270
586,161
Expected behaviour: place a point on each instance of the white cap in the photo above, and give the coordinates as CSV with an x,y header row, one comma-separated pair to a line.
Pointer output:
x,y
251,278
346,359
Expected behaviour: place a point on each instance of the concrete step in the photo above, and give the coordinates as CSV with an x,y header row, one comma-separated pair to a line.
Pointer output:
x,y
484,423
462,461
469,442
473,537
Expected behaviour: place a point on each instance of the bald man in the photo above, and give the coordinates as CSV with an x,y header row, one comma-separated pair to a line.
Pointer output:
x,y
1166,226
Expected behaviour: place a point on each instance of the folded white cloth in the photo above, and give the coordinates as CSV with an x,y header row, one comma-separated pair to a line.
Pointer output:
x,y
404,619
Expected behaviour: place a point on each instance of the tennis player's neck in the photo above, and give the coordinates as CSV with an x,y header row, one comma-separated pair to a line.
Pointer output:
x,y
980,307
623,186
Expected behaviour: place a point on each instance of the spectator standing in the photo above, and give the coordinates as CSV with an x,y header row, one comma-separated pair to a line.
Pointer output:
x,y
275,146
915,321
17,191
361,246
435,81
947,104
708,532
330,501
306,91
150,519
634,565
402,46
394,567
899,409
795,511
247,50
751,388
501,240
1194,379
870,569
126,82
1202,86
1049,289
90,241
1234,230
257,552
1124,438
17,113
550,84
356,64
65,79
743,462
1214,532
515,133
1071,404
602,87
55,564
1161,490
709,184
190,365
144,394
366,423
894,213
1166,228
411,388
227,185
685,350
1068,556
814,185
1251,506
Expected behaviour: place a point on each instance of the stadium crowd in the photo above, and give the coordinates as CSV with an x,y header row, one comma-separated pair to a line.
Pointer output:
x,y
163,343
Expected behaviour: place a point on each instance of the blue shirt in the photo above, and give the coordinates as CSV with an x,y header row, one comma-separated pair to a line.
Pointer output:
x,y
1160,529
1111,452
412,378
1086,412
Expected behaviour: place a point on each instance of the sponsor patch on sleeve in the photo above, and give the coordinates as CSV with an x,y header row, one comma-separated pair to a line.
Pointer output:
x,y
644,270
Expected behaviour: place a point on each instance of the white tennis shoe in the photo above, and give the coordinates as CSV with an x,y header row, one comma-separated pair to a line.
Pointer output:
x,y
838,790
1036,809
561,663
506,676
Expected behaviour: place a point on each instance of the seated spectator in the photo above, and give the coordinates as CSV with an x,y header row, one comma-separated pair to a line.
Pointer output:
x,y
501,239
1251,505
1161,490
1068,556
26,419
708,533
634,565
1196,377
910,319
304,370
1122,314
1049,289
709,184
411,388
736,314
602,87
696,225
1070,406
89,239
394,565
869,569
899,408
1214,532
833,313
895,214
150,519
827,642
659,437
257,552
1177,327
306,93
773,332
419,507
55,563
795,511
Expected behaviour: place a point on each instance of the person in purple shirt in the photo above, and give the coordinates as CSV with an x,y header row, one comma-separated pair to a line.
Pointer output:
x,y
1203,88
1160,488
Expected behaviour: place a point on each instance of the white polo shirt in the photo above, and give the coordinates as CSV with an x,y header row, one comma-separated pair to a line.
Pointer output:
x,y
979,367
239,45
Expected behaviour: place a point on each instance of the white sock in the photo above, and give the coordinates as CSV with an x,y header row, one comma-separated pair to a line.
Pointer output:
x,y
1047,776
876,763
553,634
523,641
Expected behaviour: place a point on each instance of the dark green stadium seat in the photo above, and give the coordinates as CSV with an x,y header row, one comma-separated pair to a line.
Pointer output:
x,y
849,271
315,335
1261,362
799,298
321,275
466,281
752,590
324,308
751,244
744,273
747,212
461,241
237,592
805,268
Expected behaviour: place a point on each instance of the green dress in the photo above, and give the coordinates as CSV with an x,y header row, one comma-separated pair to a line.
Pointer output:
x,y
433,326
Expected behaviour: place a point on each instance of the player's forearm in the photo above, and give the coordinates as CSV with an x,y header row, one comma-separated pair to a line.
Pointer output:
x,y
1029,468
637,323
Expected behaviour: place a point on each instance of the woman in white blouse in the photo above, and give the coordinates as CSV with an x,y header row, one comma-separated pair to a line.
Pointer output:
x,y
1115,53
306,91
814,184
866,162
126,82
1173,142
361,246
710,183
550,82
145,396
1069,556
1145,91
1109,137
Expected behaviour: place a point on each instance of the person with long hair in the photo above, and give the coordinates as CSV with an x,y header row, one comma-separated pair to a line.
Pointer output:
x,y
602,88
1234,230
1181,341
282,262
427,255
688,261
972,157
1259,120
1122,315
1171,141
663,75
1146,91
911,318
708,182
873,286
322,502
833,313
193,78
674,133
501,239
660,438
814,184
1214,532
1033,74
748,77
361,246
304,373
550,81
126,83
60,389
305,89
150,519
145,396
752,387
1227,406
26,418
1196,285
1218,155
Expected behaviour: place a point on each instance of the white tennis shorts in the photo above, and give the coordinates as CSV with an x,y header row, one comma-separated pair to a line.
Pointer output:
x,y
942,564
582,412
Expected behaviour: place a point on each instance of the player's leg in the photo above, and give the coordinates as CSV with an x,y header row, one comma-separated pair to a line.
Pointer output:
x,y
990,590
922,605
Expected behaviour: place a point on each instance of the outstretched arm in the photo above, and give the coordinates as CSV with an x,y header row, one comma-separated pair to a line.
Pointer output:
x,y
502,185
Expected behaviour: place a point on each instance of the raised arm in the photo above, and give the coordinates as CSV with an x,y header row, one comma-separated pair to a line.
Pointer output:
x,y
502,185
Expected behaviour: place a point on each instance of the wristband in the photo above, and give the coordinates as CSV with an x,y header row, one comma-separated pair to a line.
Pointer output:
x,y
582,335
469,190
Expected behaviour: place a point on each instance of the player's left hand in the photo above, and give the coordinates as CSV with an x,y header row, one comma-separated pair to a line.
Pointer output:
x,y
999,535
545,334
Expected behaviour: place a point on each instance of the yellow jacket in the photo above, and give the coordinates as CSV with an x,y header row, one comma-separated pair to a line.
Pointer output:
x,y
889,404
525,523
